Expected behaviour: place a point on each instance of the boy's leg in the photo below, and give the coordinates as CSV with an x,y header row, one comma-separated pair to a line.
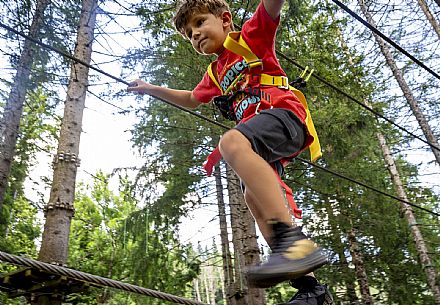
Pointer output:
x,y
252,203
294,254
309,290
257,175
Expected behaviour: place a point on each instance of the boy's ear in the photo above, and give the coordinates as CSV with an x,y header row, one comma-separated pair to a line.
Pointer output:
x,y
227,19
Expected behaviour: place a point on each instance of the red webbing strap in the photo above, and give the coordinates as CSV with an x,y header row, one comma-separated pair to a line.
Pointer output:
x,y
289,197
214,157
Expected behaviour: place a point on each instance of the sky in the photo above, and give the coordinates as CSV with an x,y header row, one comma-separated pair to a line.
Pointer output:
x,y
105,141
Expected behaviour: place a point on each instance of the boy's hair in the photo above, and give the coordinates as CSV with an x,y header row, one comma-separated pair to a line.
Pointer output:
x,y
187,8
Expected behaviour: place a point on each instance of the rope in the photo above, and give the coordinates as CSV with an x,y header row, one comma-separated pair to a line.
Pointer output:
x,y
93,279
377,114
384,37
367,186
366,107
220,124
71,57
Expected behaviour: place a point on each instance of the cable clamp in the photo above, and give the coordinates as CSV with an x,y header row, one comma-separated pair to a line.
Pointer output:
x,y
66,157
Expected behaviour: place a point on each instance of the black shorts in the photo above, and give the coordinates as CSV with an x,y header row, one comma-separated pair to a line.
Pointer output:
x,y
274,134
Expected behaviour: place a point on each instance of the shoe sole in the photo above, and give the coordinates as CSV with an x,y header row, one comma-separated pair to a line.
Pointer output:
x,y
269,278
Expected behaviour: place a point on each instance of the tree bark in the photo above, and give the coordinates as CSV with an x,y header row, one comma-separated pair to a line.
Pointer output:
x,y
239,286
358,262
340,248
10,122
424,6
421,119
197,289
421,247
59,211
245,242
228,270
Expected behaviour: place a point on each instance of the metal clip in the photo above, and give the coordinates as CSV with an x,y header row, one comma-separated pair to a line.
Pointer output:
x,y
285,82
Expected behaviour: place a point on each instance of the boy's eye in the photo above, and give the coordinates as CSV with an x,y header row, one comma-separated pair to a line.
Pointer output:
x,y
200,22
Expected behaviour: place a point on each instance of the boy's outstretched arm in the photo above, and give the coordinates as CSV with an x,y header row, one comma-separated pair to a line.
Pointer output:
x,y
273,7
183,98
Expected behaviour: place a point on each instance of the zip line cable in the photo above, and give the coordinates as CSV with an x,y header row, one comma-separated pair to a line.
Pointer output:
x,y
340,91
367,186
384,37
199,115
93,279
105,73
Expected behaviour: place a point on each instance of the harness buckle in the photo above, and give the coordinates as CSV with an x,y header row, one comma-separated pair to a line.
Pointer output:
x,y
284,82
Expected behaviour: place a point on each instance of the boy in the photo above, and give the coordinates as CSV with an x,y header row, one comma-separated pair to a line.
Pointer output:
x,y
271,127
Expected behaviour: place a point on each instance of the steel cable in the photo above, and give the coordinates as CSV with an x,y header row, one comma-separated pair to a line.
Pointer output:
x,y
208,119
93,279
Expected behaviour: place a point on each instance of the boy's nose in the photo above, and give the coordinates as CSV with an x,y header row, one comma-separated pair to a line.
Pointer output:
x,y
196,35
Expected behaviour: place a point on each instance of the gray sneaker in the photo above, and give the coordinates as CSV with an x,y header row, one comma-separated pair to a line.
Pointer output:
x,y
293,255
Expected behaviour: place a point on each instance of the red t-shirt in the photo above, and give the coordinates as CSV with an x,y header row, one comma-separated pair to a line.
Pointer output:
x,y
259,33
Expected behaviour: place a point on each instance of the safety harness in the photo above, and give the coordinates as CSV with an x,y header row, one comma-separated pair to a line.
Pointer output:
x,y
236,44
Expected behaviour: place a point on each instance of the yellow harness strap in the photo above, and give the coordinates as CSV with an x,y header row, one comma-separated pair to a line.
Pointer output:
x,y
213,77
315,147
236,44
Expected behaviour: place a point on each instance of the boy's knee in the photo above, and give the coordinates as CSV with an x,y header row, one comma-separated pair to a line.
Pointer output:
x,y
233,142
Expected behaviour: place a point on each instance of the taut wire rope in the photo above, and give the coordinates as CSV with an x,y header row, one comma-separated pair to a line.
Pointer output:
x,y
105,73
93,279
386,38
201,116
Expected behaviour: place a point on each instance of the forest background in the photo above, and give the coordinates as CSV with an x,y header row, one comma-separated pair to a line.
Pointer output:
x,y
146,213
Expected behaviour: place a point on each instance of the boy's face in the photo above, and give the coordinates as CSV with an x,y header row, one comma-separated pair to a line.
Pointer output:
x,y
207,32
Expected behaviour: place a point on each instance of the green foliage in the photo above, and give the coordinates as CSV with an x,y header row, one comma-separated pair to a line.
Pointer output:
x,y
111,237
36,132
313,36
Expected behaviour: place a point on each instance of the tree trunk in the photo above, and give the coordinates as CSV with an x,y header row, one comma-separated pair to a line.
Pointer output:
x,y
407,210
429,16
421,247
349,279
206,284
358,262
197,289
239,285
59,211
212,287
228,270
245,242
421,119
9,125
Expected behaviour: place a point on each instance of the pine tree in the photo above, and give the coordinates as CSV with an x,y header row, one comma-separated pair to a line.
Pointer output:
x,y
9,124
59,210
398,75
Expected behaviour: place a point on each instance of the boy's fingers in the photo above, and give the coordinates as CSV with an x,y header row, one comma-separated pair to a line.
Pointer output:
x,y
132,84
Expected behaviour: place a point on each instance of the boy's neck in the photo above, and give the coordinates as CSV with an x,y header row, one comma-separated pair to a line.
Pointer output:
x,y
223,48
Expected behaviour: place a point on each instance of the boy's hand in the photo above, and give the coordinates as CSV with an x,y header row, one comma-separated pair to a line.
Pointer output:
x,y
139,86
273,7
